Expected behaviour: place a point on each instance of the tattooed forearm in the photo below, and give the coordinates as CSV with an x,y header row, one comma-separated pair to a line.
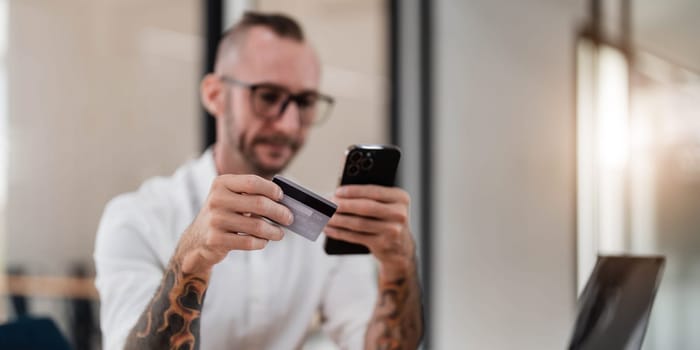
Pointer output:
x,y
397,322
171,320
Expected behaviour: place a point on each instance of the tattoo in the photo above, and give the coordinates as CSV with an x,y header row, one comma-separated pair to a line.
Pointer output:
x,y
171,320
397,322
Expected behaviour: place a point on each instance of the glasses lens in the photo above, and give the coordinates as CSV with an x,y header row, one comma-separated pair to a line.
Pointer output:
x,y
313,108
308,108
323,110
267,101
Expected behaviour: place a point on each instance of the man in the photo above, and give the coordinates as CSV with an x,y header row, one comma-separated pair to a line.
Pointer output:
x,y
222,276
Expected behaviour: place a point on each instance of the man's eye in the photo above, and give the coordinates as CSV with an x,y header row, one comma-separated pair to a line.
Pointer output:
x,y
306,101
270,97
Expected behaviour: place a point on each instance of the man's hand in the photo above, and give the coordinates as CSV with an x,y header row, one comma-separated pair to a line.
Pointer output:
x,y
232,219
377,217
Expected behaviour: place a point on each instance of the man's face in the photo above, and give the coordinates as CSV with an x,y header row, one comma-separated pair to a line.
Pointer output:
x,y
266,145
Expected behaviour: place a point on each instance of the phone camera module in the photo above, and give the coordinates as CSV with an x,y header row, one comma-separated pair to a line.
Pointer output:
x,y
367,163
355,157
353,170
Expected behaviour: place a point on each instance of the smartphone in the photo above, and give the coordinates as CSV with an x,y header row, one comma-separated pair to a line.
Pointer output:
x,y
364,165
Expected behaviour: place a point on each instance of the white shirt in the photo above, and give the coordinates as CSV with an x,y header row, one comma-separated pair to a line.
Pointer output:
x,y
262,299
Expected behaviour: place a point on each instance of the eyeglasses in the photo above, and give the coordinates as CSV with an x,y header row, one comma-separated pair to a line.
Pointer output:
x,y
269,101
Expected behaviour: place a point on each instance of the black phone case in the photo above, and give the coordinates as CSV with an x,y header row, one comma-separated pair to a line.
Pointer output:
x,y
364,165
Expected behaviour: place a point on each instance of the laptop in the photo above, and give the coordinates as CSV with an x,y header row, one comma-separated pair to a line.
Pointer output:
x,y
614,308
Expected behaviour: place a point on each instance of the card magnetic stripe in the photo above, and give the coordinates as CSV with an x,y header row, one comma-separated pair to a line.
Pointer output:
x,y
305,196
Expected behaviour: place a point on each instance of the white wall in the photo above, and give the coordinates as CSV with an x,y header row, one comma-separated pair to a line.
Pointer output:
x,y
103,94
504,250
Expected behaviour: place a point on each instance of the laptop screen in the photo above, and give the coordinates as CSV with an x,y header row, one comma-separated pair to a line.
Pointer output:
x,y
614,307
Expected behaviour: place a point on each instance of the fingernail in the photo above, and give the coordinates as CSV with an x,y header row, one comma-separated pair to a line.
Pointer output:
x,y
340,191
290,218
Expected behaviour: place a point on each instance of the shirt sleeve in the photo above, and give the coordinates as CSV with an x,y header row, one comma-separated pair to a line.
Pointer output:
x,y
349,300
128,271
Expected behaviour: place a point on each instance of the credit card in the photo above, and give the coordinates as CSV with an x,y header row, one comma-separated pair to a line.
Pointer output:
x,y
311,211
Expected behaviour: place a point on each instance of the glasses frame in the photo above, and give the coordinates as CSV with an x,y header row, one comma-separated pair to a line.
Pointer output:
x,y
296,98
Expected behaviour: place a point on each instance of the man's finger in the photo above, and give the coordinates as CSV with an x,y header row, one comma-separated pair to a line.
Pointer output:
x,y
375,192
252,204
371,208
231,241
265,207
249,184
362,224
350,236
254,226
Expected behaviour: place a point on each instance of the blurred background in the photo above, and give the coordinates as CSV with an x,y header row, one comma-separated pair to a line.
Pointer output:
x,y
536,134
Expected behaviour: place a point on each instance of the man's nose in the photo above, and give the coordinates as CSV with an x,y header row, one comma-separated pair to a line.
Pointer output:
x,y
290,120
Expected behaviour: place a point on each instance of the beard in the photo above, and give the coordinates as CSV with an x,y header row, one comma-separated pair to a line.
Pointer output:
x,y
246,149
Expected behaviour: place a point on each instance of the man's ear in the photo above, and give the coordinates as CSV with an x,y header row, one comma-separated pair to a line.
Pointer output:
x,y
212,94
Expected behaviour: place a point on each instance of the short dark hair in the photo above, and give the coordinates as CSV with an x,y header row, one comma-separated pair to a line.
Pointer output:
x,y
282,25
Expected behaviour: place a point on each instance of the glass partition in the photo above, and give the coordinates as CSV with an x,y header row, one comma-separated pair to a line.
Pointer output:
x,y
639,157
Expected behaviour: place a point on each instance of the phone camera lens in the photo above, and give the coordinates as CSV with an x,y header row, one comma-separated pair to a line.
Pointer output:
x,y
355,157
367,163
353,170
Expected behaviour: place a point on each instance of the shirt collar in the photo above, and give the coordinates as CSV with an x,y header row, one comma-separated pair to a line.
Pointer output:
x,y
204,173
